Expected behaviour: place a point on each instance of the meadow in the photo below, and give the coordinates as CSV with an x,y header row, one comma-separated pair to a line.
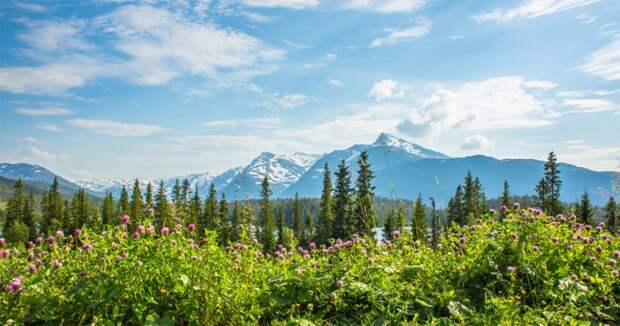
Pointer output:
x,y
514,267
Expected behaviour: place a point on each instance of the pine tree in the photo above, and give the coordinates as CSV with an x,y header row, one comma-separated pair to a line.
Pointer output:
x,y
68,216
364,211
266,218
53,214
435,233
554,184
185,190
418,227
401,223
224,228
28,216
281,224
471,197
388,225
505,198
344,224
585,212
195,208
15,206
309,232
247,218
177,201
298,220
148,197
162,207
137,205
542,194
325,221
107,209
237,223
456,207
80,210
123,203
611,215
210,211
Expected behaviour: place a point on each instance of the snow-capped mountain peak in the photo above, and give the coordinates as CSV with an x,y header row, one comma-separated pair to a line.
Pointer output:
x,y
387,140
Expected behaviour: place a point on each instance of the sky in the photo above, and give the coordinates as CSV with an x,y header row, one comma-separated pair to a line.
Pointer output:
x,y
150,89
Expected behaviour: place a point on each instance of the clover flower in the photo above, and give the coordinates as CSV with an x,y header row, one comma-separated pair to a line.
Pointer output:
x,y
396,234
192,227
503,208
124,219
165,231
339,284
511,269
60,234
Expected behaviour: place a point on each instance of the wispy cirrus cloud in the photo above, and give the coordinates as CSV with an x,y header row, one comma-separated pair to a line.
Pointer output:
x,y
605,62
531,9
43,111
421,27
384,6
116,129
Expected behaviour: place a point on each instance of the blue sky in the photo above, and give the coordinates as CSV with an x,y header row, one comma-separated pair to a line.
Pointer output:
x,y
148,89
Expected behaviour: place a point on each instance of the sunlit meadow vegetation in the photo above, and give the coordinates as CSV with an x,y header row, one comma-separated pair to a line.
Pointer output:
x,y
517,266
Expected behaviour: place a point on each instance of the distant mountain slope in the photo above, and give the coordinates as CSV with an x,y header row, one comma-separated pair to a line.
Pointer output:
x,y
38,177
387,151
281,170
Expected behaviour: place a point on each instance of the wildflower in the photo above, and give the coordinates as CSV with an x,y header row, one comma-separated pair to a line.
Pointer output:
x,y
50,239
516,206
514,236
255,242
332,296
173,241
77,232
593,258
462,240
140,229
617,253
599,248
298,271
29,244
150,210
554,239
87,246
511,269
503,209
15,285
573,277
604,299
312,246
192,227
150,229
56,263
612,262
32,268
178,226
2,242
536,249
395,234
615,273
124,219
165,231
135,235
82,274
39,240
472,228
60,234
339,284
492,211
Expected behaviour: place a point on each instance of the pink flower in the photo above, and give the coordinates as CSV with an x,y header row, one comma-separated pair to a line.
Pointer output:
x,y
573,277
150,229
140,228
50,239
32,268
462,240
312,246
617,253
87,246
77,232
255,242
604,299
612,262
29,245
39,240
2,242
192,227
491,211
135,235
516,206
593,258
599,248
396,234
339,284
536,249
503,208
514,236
298,271
123,227
554,239
150,210
165,231
511,269
178,226
124,219
332,296
56,263
60,234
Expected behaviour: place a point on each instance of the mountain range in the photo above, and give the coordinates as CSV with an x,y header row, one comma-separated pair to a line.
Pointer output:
x,y
402,170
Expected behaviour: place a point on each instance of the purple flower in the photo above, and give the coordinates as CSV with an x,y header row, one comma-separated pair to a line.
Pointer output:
x,y
165,231
516,206
599,248
32,268
135,235
87,246
332,296
514,236
573,277
339,284
60,234
255,242
150,210
39,240
50,239
593,258
56,263
617,253
150,229
536,249
77,232
604,299
124,219
312,246
612,262
492,211
554,239
192,227
503,208
462,240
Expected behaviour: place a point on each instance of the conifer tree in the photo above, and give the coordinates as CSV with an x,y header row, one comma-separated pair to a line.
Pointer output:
x,y
15,205
281,224
418,227
195,208
298,220
80,209
505,198
554,184
236,222
344,224
28,216
266,218
123,203
401,217
456,207
388,225
435,233
247,218
107,209
162,207
53,213
69,222
364,211
325,221
210,211
471,198
137,205
542,194
611,215
585,212
224,228
309,232
148,196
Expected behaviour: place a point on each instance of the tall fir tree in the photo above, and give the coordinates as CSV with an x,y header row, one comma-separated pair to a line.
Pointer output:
x,y
389,224
554,185
28,215
281,224
80,210
505,198
237,225
107,209
209,220
542,194
15,205
148,196
53,215
69,223
309,233
325,221
418,227
162,207
456,207
224,228
585,212
137,204
195,208
470,198
365,216
611,215
435,227
344,223
123,203
266,218
298,219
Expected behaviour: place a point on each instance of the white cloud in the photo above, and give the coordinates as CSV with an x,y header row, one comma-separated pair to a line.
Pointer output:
x,y
540,84
598,158
605,62
43,112
55,35
385,6
589,105
421,28
291,4
387,89
586,19
117,129
285,101
256,17
247,124
494,103
30,7
477,142
585,93
531,9
336,83
457,37
49,127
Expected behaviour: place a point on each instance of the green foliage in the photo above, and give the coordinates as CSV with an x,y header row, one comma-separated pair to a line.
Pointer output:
x,y
527,269
325,220
137,204
418,223
584,210
267,219
365,216
344,220
611,215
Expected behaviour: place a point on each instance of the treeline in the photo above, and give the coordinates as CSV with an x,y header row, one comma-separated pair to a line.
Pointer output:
x,y
346,207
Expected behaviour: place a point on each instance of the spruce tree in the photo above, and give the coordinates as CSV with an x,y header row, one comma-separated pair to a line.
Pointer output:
x,y
162,207
281,224
554,184
123,203
542,194
471,197
107,209
401,217
364,211
224,228
325,221
456,207
266,218
505,198
298,220
28,216
237,225
69,223
418,227
344,224
148,196
611,215
15,206
195,208
388,225
585,212
137,205
53,214
210,211
309,232
80,209
177,202
435,232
